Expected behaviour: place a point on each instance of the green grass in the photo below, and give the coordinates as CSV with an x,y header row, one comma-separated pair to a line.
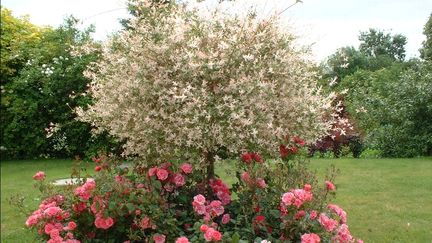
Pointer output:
x,y
387,200
16,178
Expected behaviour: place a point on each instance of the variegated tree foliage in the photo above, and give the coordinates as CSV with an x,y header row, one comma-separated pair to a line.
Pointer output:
x,y
179,85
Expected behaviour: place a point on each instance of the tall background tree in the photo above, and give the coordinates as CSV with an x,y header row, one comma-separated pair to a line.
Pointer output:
x,y
387,97
41,86
426,50
181,86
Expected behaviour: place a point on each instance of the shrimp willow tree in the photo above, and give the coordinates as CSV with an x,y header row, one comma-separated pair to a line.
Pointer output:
x,y
177,85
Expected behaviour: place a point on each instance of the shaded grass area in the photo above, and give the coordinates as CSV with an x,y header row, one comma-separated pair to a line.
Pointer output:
x,y
387,200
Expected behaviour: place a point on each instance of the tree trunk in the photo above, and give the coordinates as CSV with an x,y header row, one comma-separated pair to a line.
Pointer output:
x,y
209,158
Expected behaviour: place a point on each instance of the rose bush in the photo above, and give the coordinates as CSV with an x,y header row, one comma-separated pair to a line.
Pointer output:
x,y
271,201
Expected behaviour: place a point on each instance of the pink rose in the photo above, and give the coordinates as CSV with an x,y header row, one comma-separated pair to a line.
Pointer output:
x,y
310,238
120,179
313,214
215,208
300,214
79,207
212,235
145,223
307,187
186,168
71,225
339,211
226,218
55,235
69,235
48,228
103,223
53,211
199,199
328,223
330,186
203,228
182,240
152,171
245,177
179,180
344,236
32,220
39,176
261,183
162,174
217,236
159,238
287,198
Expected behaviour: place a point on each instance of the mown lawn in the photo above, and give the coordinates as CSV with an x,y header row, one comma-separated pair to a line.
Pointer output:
x,y
387,200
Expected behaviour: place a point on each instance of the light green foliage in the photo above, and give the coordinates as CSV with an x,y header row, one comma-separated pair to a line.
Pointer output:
x,y
387,98
376,43
394,107
426,50
18,35
377,50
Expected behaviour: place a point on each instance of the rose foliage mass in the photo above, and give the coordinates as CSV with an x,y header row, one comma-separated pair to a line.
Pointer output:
x,y
278,201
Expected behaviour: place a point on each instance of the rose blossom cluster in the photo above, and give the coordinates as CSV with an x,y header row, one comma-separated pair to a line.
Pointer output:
x,y
297,197
208,210
221,190
170,179
53,221
85,191
339,212
248,158
286,151
258,182
97,207
210,234
251,159
48,208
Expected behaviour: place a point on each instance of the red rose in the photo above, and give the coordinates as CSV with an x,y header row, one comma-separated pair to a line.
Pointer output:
x,y
247,158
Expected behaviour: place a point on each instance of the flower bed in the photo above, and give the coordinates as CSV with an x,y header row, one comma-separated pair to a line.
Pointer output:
x,y
273,201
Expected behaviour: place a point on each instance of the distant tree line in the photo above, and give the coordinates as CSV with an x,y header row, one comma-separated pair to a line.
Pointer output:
x,y
388,98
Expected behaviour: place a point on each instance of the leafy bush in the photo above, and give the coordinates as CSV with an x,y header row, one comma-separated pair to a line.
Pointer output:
x,y
39,100
393,106
278,201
